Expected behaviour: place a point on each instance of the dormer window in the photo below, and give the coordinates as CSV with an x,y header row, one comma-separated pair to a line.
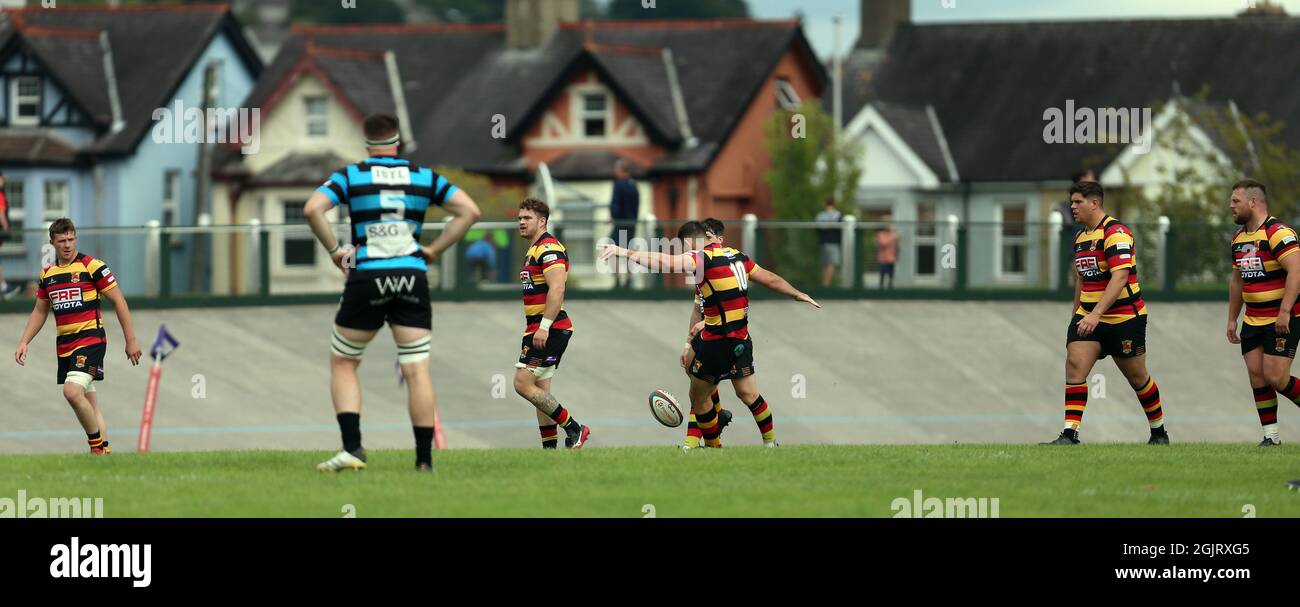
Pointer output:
x,y
786,96
595,115
317,113
25,101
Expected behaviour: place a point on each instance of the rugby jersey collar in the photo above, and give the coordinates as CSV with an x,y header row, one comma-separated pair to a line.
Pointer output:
x,y
1260,226
544,236
78,257
387,160
1104,219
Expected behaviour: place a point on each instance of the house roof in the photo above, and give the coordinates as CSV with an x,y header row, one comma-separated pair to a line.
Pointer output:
x,y
458,79
990,83
153,47
36,148
919,132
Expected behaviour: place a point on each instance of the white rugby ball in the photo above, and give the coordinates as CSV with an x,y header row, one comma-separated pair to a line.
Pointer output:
x,y
664,407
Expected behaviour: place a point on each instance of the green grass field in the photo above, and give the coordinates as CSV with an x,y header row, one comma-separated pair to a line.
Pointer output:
x,y
1195,480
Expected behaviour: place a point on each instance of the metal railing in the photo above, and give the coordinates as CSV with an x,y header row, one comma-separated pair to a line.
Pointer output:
x,y
937,259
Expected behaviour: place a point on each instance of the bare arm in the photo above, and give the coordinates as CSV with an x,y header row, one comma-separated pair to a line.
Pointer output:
x,y
1078,290
1234,305
660,262
464,213
555,279
317,206
774,282
133,351
1290,263
34,323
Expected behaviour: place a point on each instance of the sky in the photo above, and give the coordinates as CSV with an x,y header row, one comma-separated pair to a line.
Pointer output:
x,y
818,14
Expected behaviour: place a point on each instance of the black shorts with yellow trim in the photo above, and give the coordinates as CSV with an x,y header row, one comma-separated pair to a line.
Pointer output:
x,y
557,341
87,359
1121,340
1266,337
719,359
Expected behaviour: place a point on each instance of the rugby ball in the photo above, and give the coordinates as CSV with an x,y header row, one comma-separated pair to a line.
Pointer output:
x,y
664,407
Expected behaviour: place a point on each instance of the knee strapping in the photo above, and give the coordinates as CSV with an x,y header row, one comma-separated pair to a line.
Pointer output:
x,y
414,351
346,348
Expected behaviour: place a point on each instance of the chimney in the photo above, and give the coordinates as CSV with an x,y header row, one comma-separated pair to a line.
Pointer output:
x,y
530,23
879,19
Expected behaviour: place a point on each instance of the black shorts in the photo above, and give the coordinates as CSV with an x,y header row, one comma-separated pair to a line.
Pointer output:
x,y
556,343
727,358
1266,337
89,359
398,297
1123,340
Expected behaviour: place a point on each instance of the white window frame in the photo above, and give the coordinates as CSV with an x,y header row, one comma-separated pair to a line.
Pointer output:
x,y
786,97
48,212
1001,240
172,203
17,213
583,114
921,240
16,100
311,120
296,235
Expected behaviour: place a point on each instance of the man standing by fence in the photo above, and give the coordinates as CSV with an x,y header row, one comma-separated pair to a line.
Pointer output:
x,y
830,240
624,208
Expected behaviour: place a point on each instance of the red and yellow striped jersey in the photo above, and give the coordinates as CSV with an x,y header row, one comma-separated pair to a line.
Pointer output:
x,y
1098,252
73,291
724,287
1258,256
545,254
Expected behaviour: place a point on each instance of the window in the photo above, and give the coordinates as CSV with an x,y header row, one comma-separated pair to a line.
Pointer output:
x,y
1015,241
786,96
17,211
299,248
926,243
25,101
171,201
595,115
57,202
317,113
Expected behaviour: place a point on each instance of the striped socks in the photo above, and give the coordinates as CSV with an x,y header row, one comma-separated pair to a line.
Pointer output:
x,y
763,417
1291,391
564,420
550,435
1149,396
708,422
95,441
1076,400
1266,407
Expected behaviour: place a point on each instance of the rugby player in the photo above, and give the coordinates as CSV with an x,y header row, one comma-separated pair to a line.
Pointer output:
x,y
73,288
387,278
1266,278
1110,318
547,327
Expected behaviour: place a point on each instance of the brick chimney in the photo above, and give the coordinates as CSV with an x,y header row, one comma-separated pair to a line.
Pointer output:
x,y
879,18
530,23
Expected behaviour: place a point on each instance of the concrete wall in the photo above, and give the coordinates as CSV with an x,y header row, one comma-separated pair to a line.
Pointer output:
x,y
869,372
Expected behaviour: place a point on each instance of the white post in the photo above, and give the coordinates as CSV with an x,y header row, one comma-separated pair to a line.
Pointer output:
x,y
447,267
153,258
1162,252
642,281
749,233
253,257
848,247
1054,223
954,222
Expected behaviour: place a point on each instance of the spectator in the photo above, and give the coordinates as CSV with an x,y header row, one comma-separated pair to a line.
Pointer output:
x,y
624,209
887,252
830,239
481,257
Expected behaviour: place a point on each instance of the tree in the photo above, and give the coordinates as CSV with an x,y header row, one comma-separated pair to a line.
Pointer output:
x,y
1195,195
808,166
676,9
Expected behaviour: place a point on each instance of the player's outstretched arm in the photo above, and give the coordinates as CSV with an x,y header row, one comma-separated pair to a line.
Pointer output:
x,y
133,351
314,211
464,214
774,282
34,323
656,261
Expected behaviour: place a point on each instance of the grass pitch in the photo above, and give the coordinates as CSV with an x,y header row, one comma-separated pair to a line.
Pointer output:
x,y
1193,480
